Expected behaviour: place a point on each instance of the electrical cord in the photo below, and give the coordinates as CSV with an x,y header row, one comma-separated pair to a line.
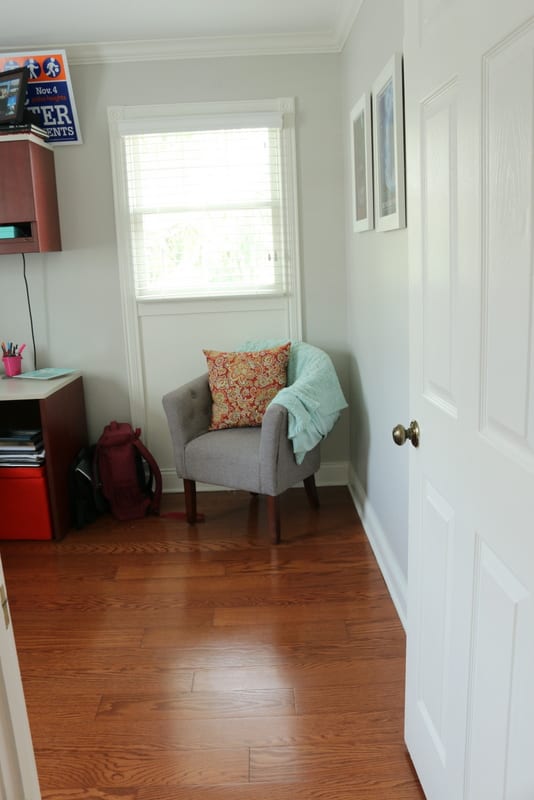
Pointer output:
x,y
29,309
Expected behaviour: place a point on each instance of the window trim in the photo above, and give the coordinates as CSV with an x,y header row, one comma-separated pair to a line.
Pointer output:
x,y
183,116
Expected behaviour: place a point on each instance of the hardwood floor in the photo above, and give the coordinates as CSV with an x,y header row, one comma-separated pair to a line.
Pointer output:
x,y
168,662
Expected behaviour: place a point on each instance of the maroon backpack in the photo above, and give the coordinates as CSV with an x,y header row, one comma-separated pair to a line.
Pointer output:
x,y
126,472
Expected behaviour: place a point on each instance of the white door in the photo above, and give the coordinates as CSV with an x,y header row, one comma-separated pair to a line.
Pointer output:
x,y
469,95
18,772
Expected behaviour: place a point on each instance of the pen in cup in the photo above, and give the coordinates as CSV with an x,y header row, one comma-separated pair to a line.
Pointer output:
x,y
12,350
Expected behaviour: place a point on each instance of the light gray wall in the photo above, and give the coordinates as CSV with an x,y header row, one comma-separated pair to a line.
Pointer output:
x,y
377,296
75,293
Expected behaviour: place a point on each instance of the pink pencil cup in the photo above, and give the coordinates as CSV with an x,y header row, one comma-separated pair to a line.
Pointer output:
x,y
12,365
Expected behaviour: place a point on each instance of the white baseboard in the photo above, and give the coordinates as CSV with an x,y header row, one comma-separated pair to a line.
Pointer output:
x,y
332,473
389,566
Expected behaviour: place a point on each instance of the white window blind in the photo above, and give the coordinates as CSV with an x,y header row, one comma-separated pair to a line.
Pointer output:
x,y
206,211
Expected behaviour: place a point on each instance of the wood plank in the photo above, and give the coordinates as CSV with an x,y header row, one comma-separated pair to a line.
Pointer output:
x,y
142,767
85,637
349,728
355,555
357,789
189,705
91,793
243,590
231,636
380,692
170,680
63,662
147,614
151,572
322,764
367,583
355,671
298,613
29,568
59,707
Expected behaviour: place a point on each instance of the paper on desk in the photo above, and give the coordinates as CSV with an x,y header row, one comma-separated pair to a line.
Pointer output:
x,y
45,374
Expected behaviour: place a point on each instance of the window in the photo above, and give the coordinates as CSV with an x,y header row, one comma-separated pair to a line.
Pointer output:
x,y
207,237
206,202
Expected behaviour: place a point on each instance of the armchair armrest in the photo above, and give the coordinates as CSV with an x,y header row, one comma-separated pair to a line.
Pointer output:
x,y
278,467
273,438
188,411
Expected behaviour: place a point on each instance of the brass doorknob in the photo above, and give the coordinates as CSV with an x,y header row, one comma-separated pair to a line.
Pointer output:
x,y
400,433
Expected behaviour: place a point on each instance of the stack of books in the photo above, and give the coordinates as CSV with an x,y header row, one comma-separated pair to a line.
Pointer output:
x,y
23,127
21,448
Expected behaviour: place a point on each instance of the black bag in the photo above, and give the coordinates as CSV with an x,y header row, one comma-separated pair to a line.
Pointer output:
x,y
86,500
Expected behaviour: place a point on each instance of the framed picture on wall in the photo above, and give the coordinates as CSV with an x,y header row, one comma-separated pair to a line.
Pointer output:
x,y
388,139
362,165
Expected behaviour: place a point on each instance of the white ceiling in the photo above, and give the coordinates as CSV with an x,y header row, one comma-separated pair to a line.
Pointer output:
x,y
106,29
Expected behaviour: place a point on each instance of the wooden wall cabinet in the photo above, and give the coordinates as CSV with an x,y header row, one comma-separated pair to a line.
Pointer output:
x,y
28,195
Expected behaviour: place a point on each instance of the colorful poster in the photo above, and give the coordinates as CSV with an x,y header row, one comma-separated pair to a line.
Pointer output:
x,y
49,95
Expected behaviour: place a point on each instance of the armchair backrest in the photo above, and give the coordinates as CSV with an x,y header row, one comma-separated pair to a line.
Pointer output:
x,y
188,411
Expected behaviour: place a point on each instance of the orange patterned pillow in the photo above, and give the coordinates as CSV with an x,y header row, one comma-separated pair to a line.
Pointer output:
x,y
243,384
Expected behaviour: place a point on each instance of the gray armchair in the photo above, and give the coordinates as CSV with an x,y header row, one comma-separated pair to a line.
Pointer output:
x,y
256,460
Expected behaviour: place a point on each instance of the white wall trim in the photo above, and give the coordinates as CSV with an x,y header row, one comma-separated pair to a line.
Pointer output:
x,y
124,119
130,323
201,47
332,473
389,566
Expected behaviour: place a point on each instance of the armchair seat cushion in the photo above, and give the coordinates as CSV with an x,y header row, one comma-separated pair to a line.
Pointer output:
x,y
229,457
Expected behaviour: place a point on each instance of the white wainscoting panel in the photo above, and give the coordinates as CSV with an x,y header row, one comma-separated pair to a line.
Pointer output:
x,y
433,627
502,614
439,222
507,407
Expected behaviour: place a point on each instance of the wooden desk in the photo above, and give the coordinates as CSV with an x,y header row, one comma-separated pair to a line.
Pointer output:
x,y
57,406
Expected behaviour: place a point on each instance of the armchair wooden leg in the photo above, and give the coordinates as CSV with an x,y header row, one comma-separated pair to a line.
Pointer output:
x,y
190,490
311,491
273,517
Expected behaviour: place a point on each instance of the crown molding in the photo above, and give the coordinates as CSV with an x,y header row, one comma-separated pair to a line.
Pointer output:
x,y
202,47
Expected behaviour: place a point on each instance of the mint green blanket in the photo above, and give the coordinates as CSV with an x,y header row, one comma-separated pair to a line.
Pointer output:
x,y
313,396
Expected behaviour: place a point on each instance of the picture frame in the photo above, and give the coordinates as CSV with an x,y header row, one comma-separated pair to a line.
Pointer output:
x,y
13,84
388,146
362,165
